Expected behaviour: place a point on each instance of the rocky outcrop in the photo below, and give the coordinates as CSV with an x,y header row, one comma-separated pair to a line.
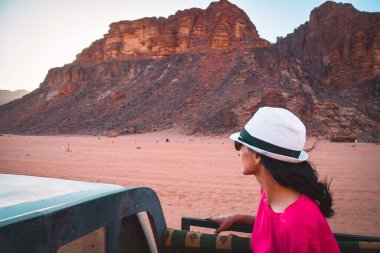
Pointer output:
x,y
62,81
339,46
203,71
221,26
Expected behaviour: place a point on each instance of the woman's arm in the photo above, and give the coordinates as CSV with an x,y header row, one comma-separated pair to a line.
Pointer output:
x,y
226,221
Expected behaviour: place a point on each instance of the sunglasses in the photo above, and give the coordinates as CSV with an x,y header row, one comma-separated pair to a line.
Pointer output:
x,y
238,146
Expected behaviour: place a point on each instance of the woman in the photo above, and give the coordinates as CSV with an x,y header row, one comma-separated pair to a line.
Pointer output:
x,y
294,204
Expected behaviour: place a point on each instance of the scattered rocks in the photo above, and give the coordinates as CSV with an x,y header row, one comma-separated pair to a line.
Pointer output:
x,y
112,134
117,95
343,139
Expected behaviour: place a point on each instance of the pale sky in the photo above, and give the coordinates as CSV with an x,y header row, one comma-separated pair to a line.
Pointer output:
x,y
36,35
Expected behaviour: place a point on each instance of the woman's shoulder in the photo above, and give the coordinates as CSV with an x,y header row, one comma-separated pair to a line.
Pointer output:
x,y
305,203
304,218
304,209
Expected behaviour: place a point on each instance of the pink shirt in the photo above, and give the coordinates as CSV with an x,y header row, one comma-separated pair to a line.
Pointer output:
x,y
300,228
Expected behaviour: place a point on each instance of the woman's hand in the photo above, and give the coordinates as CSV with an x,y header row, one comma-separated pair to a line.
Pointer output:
x,y
226,221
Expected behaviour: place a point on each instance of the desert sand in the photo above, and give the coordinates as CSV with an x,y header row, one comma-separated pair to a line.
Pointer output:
x,y
197,176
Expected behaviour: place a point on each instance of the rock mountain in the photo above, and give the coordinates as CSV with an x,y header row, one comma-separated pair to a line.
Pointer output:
x,y
340,50
207,71
7,96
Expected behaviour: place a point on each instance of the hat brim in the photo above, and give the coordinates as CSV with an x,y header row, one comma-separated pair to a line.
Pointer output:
x,y
303,155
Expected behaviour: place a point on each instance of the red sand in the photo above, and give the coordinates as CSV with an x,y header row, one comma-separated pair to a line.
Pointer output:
x,y
197,176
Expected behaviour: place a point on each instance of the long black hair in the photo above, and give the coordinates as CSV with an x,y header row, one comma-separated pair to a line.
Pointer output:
x,y
303,178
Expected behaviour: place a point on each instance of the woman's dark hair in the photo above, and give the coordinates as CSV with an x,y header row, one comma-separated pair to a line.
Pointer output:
x,y
303,178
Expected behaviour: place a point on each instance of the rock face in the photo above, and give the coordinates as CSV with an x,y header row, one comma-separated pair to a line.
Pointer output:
x,y
204,71
7,96
221,26
340,50
339,45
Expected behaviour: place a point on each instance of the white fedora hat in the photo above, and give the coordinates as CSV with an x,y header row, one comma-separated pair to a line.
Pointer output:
x,y
275,132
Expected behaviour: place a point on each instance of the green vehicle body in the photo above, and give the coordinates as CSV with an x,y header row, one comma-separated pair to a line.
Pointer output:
x,y
52,215
47,215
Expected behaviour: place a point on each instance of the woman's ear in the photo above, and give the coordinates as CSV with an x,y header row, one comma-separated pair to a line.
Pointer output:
x,y
257,158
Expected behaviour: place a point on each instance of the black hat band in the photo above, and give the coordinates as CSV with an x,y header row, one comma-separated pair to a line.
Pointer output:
x,y
255,142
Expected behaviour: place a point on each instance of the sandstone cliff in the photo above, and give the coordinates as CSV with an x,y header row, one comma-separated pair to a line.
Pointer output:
x,y
340,50
339,45
221,26
204,71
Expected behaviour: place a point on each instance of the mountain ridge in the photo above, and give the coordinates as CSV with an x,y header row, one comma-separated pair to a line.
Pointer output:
x,y
7,96
203,71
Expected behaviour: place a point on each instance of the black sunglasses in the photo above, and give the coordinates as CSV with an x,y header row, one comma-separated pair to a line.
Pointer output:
x,y
238,146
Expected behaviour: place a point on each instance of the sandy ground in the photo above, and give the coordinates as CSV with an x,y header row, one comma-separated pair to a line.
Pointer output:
x,y
197,176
